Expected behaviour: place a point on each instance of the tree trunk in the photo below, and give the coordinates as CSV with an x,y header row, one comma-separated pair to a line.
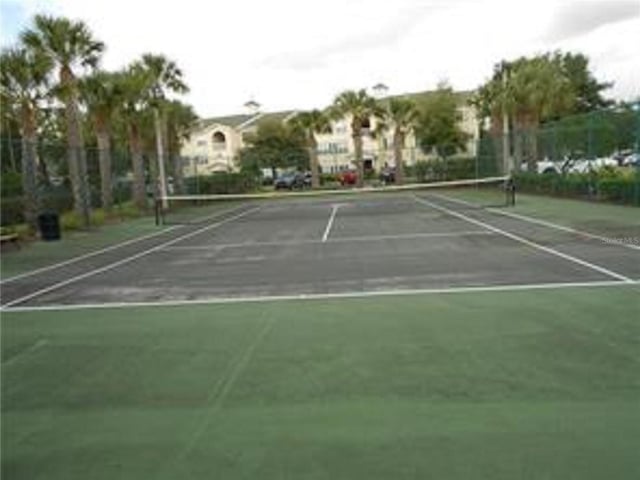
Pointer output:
x,y
76,155
533,141
357,146
162,184
104,158
517,147
29,183
313,159
178,175
398,143
139,193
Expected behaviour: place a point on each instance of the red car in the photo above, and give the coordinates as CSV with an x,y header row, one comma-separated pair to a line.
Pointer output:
x,y
348,177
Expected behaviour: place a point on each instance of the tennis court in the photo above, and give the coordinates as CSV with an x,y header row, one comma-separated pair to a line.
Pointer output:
x,y
333,245
404,335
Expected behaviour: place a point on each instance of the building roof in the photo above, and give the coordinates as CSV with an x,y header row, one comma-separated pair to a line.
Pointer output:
x,y
229,120
244,120
249,120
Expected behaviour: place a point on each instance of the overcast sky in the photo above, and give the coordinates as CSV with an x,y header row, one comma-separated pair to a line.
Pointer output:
x,y
297,54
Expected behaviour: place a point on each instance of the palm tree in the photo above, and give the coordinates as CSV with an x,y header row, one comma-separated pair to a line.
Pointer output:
x,y
132,85
164,76
308,124
102,94
360,107
24,85
179,120
403,116
535,89
69,45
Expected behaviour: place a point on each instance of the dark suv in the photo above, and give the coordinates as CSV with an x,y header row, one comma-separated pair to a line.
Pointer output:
x,y
290,181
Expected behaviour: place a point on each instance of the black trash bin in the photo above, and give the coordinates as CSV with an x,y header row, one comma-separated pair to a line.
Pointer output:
x,y
49,223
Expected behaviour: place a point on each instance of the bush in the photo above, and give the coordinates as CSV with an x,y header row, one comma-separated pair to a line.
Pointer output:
x,y
606,185
219,183
329,178
11,184
11,211
70,221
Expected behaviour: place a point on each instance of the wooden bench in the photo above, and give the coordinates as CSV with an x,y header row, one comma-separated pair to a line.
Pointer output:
x,y
11,238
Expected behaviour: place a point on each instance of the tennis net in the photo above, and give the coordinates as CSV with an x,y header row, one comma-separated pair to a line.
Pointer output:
x,y
492,192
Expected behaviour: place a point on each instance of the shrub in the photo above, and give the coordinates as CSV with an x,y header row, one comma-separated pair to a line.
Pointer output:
x,y
218,183
11,210
11,184
606,185
329,178
70,221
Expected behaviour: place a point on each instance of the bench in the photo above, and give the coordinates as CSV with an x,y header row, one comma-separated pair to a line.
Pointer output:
x,y
11,238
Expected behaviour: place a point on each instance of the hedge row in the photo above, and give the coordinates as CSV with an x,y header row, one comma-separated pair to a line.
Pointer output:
x,y
216,183
608,186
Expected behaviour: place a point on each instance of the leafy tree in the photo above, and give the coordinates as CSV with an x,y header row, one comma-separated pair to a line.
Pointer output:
x,y
309,124
360,108
535,89
68,45
403,117
587,89
24,83
438,126
102,95
274,145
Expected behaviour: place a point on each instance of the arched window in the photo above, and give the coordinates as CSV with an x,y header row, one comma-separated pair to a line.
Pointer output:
x,y
219,141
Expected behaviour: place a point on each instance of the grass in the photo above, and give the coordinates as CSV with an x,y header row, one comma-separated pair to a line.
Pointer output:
x,y
501,385
583,215
38,254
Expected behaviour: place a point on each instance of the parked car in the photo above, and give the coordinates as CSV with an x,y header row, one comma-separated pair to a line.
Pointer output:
x,y
348,177
388,175
289,181
632,160
572,165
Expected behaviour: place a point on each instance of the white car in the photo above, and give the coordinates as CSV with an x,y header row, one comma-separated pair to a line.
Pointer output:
x,y
573,165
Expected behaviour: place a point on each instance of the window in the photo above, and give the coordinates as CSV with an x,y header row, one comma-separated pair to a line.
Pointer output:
x,y
219,141
340,128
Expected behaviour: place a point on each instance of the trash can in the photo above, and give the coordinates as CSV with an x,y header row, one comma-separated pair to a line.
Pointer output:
x,y
49,224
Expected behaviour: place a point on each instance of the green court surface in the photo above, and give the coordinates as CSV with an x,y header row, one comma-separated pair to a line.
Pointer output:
x,y
593,217
535,384
40,254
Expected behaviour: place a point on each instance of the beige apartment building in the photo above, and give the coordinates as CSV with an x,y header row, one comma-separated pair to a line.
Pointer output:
x,y
214,143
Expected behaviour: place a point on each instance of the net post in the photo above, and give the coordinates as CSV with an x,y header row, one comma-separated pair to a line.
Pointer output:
x,y
510,192
157,208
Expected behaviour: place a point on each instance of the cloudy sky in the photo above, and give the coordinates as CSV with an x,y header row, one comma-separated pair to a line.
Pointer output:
x,y
296,54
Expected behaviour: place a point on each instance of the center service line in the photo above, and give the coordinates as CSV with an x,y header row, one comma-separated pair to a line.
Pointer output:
x,y
330,223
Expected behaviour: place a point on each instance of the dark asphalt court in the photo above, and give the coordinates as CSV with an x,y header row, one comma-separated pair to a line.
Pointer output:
x,y
342,245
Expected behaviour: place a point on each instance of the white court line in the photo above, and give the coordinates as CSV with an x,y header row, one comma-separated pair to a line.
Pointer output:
x,y
545,223
124,260
104,250
371,238
524,241
325,296
86,255
327,230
